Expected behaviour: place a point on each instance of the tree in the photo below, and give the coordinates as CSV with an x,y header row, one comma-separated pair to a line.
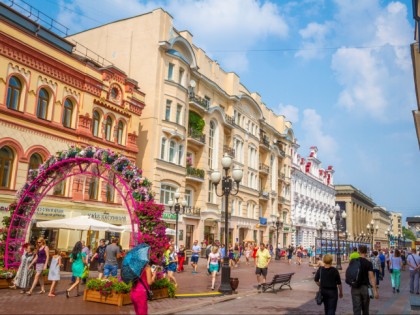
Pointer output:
x,y
408,234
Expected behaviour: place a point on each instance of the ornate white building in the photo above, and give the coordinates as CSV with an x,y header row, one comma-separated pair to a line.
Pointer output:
x,y
313,197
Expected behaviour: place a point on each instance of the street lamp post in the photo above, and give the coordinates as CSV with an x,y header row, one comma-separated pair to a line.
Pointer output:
x,y
338,216
398,240
372,230
176,207
277,224
227,189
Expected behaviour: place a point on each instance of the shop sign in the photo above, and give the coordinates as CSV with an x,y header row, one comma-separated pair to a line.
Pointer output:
x,y
49,212
109,218
170,216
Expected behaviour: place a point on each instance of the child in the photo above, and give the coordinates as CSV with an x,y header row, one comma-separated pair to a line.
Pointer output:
x,y
247,254
54,273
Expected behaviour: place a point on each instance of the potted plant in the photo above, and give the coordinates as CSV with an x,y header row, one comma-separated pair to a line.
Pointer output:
x,y
6,276
162,288
109,291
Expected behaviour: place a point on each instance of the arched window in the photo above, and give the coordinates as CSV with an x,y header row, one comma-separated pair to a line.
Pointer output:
x,y
43,100
120,132
108,128
68,113
95,123
172,151
6,164
211,144
163,149
34,162
13,93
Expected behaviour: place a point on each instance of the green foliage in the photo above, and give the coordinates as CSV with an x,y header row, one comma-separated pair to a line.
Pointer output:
x,y
164,283
121,287
108,287
196,122
408,234
94,284
45,272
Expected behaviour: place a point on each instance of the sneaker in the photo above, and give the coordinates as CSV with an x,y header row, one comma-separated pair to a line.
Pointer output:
x,y
393,290
398,290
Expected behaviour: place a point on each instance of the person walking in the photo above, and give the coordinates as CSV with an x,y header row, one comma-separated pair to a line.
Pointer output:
x,y
79,261
360,294
299,254
112,253
54,272
328,279
382,258
413,262
395,265
25,250
41,262
263,259
376,264
181,258
290,250
196,249
141,286
247,253
100,256
213,264
25,274
172,263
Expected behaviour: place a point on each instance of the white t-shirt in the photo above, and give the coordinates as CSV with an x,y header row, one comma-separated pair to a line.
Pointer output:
x,y
414,260
196,249
214,258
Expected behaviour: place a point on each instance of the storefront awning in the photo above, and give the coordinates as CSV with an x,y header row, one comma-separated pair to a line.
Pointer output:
x,y
83,223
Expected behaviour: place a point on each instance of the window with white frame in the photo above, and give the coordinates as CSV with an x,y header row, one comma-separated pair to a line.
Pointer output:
x,y
171,71
163,149
168,110
178,118
239,207
172,148
167,193
238,145
211,144
181,76
188,197
211,193
180,154
248,207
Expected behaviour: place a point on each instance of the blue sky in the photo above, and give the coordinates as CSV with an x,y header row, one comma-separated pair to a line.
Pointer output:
x,y
339,70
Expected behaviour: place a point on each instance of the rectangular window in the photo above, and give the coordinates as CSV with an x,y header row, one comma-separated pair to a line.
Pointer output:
x,y
189,233
211,192
188,197
110,193
168,110
171,71
166,193
59,189
179,114
181,76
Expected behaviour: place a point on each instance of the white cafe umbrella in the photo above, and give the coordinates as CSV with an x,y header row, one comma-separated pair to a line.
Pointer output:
x,y
128,228
83,223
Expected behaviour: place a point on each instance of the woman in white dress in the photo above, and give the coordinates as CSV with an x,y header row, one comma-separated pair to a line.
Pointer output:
x,y
54,272
25,273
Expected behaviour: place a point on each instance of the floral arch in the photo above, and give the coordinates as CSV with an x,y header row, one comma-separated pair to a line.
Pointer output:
x,y
116,169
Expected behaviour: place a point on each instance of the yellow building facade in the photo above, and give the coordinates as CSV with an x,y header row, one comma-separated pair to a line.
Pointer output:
x,y
196,113
50,99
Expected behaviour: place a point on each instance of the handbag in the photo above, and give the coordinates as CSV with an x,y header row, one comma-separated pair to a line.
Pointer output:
x,y
318,297
148,292
85,273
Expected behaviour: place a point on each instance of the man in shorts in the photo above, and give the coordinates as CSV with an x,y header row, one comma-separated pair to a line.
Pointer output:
x,y
196,249
262,261
100,256
112,253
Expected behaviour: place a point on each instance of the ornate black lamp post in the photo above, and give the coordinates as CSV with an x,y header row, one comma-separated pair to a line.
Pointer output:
x,y
398,240
176,208
278,224
320,228
227,189
338,216
371,230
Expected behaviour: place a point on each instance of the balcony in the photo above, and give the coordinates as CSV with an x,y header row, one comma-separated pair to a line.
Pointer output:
x,y
192,212
198,102
282,200
196,136
265,195
229,151
230,120
281,176
264,168
264,142
195,174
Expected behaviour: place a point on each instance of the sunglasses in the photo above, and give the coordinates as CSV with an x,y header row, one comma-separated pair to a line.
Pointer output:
x,y
39,242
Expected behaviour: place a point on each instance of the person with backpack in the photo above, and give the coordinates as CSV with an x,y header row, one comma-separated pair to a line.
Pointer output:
x,y
376,263
328,279
359,275
413,262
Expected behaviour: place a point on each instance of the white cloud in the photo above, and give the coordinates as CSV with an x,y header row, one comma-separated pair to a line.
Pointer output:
x,y
314,135
314,37
217,25
290,112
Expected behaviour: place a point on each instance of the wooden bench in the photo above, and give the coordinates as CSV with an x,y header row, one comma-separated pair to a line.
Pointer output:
x,y
281,279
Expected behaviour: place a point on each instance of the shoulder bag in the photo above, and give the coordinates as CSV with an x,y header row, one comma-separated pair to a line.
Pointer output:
x,y
318,297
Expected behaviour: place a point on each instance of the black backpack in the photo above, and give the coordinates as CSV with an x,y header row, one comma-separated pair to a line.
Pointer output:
x,y
353,273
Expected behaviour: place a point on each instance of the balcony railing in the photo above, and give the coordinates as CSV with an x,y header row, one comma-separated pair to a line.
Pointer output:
x,y
230,120
264,168
264,141
281,175
202,102
197,135
195,172
230,151
192,211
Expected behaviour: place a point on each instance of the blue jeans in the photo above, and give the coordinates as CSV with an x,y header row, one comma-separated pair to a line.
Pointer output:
x,y
376,272
110,269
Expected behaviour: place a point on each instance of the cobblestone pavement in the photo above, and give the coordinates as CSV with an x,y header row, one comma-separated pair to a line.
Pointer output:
x,y
300,300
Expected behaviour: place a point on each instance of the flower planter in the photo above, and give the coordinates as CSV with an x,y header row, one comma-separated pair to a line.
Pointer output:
x,y
5,283
118,299
46,281
160,293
